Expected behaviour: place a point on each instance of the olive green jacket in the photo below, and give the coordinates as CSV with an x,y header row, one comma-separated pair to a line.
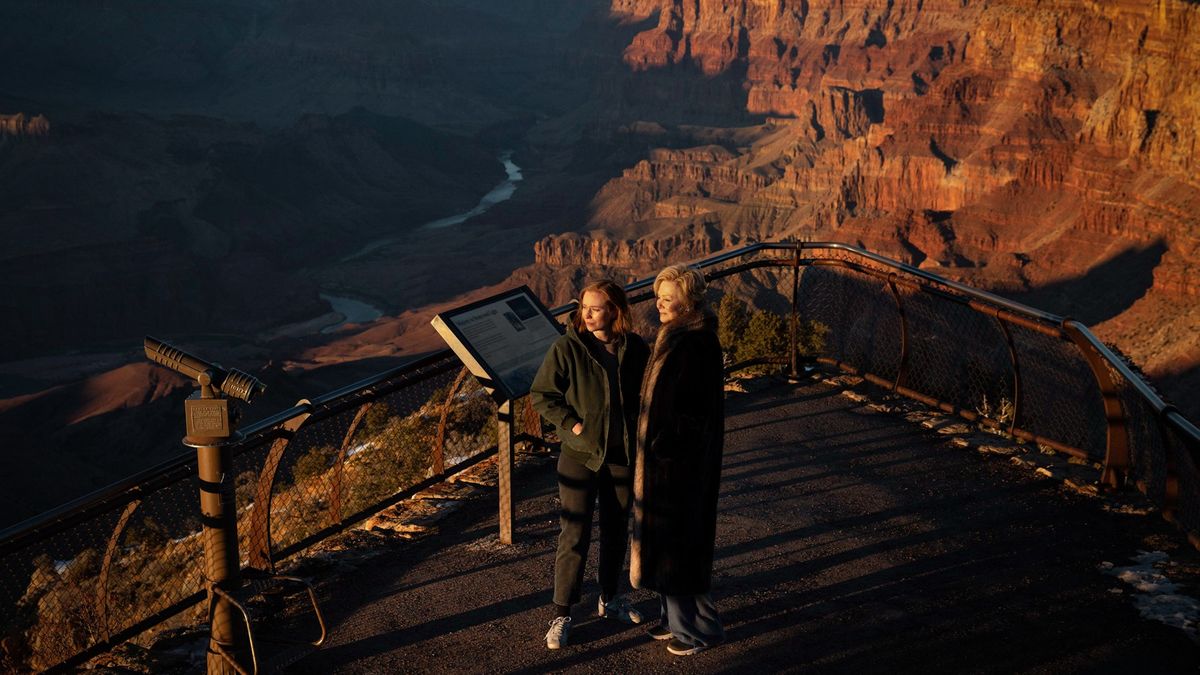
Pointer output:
x,y
571,386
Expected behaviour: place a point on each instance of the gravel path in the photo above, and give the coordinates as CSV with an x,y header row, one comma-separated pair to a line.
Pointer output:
x,y
848,541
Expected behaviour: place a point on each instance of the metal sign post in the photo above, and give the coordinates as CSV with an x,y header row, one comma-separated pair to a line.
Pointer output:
x,y
502,341
504,464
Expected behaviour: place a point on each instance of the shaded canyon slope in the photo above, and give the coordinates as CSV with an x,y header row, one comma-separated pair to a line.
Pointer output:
x,y
207,171
119,225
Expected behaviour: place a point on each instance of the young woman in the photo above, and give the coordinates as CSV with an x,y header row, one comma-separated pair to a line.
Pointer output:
x,y
680,438
588,387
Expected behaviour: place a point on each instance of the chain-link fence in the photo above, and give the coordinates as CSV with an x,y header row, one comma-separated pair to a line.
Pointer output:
x,y
83,578
113,565
993,362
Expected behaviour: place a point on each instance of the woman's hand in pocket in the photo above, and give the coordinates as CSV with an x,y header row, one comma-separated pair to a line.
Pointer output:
x,y
577,429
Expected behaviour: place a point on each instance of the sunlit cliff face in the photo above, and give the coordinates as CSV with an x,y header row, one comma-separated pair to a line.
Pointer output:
x,y
957,129
1045,150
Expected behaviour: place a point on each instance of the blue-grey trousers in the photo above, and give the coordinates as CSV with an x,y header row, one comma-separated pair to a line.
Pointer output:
x,y
693,619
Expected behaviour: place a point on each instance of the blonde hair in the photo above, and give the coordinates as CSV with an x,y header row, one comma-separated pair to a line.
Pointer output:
x,y
689,281
615,296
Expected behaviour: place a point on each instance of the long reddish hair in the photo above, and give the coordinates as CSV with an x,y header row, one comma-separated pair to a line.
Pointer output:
x,y
617,301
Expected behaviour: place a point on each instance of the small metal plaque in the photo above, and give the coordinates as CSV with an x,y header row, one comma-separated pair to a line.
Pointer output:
x,y
207,417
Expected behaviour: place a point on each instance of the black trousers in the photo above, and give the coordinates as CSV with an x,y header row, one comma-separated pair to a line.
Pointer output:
x,y
579,489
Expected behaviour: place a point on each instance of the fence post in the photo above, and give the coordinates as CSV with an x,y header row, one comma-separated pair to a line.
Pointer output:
x,y
110,553
339,467
794,360
902,367
439,448
1116,457
260,518
1016,371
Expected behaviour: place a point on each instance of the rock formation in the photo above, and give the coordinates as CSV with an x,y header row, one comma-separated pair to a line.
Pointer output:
x,y
20,125
1014,145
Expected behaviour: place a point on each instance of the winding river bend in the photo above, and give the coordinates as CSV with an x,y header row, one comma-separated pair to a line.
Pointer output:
x,y
352,311
357,311
500,193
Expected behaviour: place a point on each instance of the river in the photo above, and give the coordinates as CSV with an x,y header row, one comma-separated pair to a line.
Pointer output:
x,y
357,311
352,311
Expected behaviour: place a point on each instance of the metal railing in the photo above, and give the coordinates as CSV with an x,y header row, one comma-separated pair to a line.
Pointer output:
x,y
109,567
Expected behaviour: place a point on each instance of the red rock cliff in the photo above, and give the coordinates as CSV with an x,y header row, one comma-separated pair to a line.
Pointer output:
x,y
20,125
1016,145
1053,130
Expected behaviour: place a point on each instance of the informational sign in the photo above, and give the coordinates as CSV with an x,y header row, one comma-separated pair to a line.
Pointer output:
x,y
501,339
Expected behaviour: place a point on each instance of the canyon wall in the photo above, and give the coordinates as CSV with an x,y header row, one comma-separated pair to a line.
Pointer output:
x,y
123,224
1021,128
1020,146
19,124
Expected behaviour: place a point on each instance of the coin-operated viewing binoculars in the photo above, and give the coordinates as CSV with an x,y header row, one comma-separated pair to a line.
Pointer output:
x,y
208,414
210,429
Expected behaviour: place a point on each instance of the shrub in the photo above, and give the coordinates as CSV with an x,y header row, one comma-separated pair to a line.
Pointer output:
x,y
810,338
1001,412
376,419
149,533
312,463
732,321
759,333
398,458
766,335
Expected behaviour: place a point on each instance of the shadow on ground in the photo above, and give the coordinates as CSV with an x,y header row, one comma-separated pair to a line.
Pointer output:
x,y
849,541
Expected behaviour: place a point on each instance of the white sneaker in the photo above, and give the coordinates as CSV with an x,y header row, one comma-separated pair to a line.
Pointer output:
x,y
619,608
560,628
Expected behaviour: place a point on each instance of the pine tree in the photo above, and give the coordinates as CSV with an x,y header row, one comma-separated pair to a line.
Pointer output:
x,y
732,320
747,334
765,336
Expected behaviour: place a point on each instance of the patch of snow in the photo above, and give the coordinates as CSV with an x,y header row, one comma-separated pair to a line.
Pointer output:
x,y
186,537
1157,597
368,445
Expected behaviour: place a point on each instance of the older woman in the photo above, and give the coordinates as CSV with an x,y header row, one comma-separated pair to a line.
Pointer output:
x,y
678,465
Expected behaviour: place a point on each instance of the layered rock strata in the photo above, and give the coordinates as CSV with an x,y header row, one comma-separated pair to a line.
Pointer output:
x,y
1014,145
1010,125
19,124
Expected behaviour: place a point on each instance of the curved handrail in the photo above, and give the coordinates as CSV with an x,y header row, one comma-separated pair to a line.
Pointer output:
x,y
927,276
1164,409
151,479
1152,397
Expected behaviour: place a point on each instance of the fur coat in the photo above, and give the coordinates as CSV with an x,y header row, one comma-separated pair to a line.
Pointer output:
x,y
681,432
